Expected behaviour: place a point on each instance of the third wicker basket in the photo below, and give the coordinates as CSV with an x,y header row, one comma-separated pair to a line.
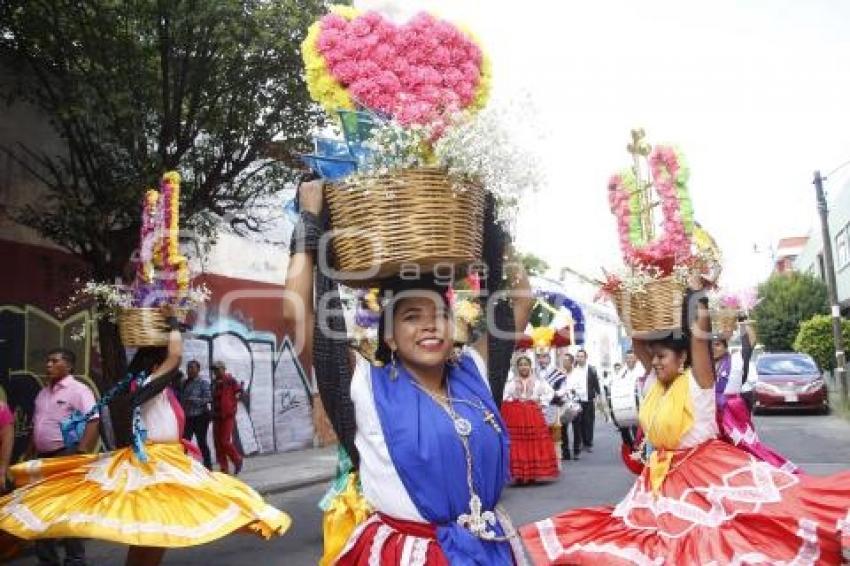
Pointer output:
x,y
145,326
724,321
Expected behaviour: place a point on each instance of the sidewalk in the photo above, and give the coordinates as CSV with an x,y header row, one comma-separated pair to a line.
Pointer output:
x,y
287,471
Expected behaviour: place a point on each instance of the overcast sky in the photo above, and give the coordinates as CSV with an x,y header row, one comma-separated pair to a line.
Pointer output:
x,y
756,94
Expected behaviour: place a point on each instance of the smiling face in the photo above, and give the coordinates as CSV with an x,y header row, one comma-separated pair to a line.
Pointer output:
x,y
667,362
422,330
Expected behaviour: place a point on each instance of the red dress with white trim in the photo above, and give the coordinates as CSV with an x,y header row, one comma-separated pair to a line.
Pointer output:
x,y
532,450
702,501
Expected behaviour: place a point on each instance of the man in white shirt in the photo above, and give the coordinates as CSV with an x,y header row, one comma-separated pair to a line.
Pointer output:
x,y
584,381
569,418
550,372
626,383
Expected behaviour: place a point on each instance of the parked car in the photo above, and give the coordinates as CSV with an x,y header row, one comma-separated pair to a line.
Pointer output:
x,y
790,380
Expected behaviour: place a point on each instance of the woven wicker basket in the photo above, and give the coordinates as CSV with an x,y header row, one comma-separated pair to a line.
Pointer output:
x,y
416,217
145,326
724,321
658,309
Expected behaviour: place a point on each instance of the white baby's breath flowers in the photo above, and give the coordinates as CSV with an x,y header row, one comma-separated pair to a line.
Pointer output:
x,y
472,147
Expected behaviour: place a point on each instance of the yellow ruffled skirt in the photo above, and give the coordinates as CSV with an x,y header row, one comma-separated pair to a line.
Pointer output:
x,y
170,501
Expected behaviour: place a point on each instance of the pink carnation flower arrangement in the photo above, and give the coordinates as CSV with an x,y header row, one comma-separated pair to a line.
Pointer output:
x,y
673,246
417,72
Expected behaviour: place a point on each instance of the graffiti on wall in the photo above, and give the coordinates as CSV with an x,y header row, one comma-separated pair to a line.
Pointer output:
x,y
275,414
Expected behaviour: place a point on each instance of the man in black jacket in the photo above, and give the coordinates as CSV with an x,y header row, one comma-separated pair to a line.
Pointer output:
x,y
588,391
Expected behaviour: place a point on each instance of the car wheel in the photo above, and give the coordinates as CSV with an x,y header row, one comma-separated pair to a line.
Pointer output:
x,y
824,410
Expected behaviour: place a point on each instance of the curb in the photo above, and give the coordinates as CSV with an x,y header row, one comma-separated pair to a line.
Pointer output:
x,y
275,489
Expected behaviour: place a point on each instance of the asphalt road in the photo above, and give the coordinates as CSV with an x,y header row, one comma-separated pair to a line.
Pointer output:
x,y
819,444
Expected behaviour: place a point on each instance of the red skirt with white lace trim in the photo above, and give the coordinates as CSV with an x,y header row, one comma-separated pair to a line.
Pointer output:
x,y
389,541
717,505
393,542
532,449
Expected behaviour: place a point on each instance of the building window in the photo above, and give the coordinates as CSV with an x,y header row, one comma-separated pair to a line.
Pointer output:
x,y
842,247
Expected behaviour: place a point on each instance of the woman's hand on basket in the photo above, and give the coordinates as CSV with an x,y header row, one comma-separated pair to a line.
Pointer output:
x,y
310,195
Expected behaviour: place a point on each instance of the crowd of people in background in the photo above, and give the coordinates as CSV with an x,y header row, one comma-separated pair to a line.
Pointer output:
x,y
560,391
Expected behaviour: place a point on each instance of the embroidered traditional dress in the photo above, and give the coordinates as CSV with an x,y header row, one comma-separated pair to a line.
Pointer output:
x,y
413,471
533,454
733,415
171,500
701,501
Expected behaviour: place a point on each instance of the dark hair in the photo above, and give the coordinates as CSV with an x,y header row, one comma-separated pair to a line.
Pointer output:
x,y
396,289
494,243
581,351
721,339
193,363
570,356
146,358
677,343
67,355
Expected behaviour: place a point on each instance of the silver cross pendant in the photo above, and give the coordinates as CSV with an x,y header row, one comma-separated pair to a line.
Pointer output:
x,y
490,419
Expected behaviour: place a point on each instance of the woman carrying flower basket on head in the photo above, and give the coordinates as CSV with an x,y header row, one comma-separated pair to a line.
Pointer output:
x,y
151,496
699,500
532,450
424,434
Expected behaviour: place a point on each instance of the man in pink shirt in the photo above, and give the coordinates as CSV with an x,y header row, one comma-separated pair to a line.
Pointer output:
x,y
60,397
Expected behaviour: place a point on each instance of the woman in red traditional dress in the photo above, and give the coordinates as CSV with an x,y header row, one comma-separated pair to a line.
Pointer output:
x,y
700,500
532,450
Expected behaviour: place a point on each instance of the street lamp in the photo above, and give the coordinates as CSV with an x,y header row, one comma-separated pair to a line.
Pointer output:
x,y
829,268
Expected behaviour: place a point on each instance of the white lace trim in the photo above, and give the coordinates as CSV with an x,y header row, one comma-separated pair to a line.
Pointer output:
x,y
789,467
415,549
128,477
843,525
419,554
355,536
807,554
25,516
555,550
764,490
747,437
381,537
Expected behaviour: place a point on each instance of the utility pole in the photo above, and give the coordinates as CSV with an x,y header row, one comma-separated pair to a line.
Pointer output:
x,y
841,369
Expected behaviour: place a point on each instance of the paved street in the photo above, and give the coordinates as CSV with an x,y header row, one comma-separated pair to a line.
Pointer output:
x,y
820,444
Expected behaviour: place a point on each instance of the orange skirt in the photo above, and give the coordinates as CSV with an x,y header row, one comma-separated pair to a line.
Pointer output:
x,y
532,450
718,504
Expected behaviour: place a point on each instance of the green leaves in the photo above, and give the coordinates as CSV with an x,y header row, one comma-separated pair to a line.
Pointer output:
x,y
137,88
786,301
815,338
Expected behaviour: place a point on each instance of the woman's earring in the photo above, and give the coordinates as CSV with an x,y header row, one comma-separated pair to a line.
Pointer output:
x,y
393,366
